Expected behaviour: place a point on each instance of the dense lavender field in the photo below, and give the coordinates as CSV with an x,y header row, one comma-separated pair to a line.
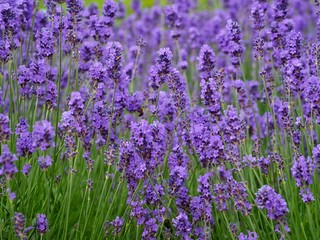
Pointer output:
x,y
184,120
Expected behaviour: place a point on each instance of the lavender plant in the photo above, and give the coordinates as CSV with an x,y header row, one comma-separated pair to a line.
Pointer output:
x,y
184,120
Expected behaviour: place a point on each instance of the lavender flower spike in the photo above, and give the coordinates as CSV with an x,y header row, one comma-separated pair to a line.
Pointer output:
x,y
42,224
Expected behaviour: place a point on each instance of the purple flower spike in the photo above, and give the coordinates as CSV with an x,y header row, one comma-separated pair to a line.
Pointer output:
x,y
221,196
150,229
19,223
26,169
302,170
239,194
235,44
4,128
5,53
280,9
250,236
117,224
159,73
316,155
257,15
44,162
201,209
177,177
306,195
74,6
42,224
206,62
114,61
233,126
276,206
43,135
267,198
110,9
182,225
25,147
45,42
12,195
7,165
204,186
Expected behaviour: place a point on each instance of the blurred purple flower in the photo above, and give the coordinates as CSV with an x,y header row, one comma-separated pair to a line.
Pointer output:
x,y
26,169
206,62
250,236
204,186
42,224
276,206
12,195
178,175
44,162
19,223
182,225
117,224
45,42
303,170
43,135
7,165
24,145
150,229
159,73
5,130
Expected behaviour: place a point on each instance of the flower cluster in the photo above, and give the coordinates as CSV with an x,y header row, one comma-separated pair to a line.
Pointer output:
x,y
276,206
7,163
302,170
42,224
187,120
